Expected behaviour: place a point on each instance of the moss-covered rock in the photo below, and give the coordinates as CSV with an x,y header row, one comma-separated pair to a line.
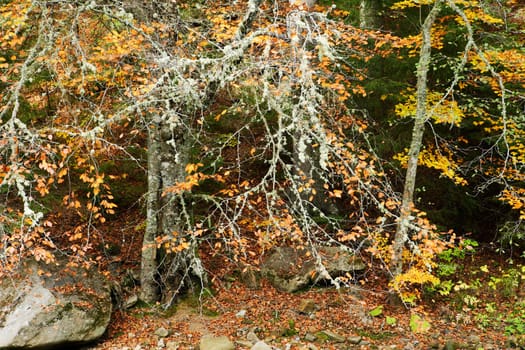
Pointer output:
x,y
53,305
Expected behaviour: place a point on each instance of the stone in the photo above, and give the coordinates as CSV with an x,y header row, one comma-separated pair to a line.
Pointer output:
x,y
354,340
290,269
131,301
162,332
210,342
251,336
409,347
310,337
53,305
333,336
241,314
244,343
260,345
171,345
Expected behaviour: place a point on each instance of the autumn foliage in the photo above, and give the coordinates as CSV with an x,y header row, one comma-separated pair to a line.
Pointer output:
x,y
279,151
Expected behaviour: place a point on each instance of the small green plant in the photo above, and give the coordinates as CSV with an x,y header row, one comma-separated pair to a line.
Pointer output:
x,y
484,320
391,321
444,287
377,311
508,282
465,246
471,301
515,322
449,259
290,331
447,269
515,325
449,262
419,324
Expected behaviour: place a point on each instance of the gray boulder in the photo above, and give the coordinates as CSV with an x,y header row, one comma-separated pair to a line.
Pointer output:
x,y
290,269
52,305
210,342
260,345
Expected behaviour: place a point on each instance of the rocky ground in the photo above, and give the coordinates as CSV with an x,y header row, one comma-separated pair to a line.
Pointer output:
x,y
320,318
235,313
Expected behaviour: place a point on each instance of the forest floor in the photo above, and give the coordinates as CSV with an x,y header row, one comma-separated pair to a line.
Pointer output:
x,y
486,311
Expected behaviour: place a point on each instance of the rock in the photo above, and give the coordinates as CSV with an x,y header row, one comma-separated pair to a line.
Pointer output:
x,y
307,306
161,344
53,305
210,342
335,337
473,339
332,336
251,336
162,332
241,314
171,345
310,337
244,343
290,269
260,345
131,301
354,340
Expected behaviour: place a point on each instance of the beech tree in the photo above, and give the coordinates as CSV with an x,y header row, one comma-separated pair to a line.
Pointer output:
x,y
167,77
430,107
244,112
420,120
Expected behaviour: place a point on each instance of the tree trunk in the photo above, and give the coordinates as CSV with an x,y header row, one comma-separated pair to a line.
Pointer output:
x,y
308,173
369,14
150,291
174,220
167,159
418,130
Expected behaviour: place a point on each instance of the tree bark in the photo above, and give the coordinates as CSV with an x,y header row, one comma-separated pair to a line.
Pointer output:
x,y
401,236
368,14
150,291
162,270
